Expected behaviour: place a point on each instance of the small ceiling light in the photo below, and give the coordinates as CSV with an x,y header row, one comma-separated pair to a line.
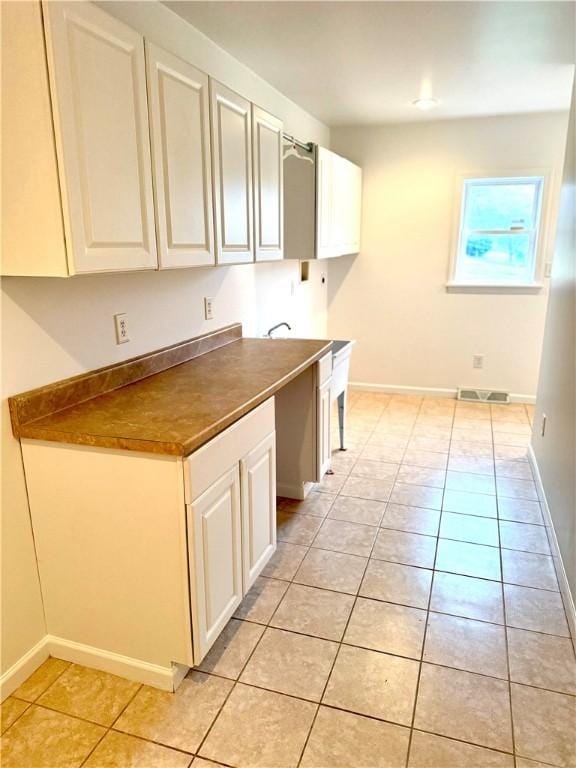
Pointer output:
x,y
425,104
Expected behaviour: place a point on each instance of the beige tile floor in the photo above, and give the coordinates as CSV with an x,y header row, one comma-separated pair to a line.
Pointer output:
x,y
410,617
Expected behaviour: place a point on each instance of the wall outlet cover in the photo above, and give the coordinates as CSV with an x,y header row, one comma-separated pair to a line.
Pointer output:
x,y
121,328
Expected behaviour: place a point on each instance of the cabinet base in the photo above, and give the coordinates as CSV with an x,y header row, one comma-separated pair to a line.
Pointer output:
x,y
293,490
165,678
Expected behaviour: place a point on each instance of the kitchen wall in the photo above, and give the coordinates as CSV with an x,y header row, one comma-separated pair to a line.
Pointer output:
x,y
555,451
392,298
54,328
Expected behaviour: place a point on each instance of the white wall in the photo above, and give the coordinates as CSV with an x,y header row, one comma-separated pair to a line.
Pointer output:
x,y
392,296
54,328
555,451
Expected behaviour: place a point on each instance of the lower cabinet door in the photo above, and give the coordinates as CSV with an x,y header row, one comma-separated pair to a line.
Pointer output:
x,y
258,480
215,559
323,424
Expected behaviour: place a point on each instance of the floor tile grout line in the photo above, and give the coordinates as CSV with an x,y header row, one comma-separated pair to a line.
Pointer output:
x,y
356,596
69,665
417,690
236,682
440,570
147,740
337,654
412,506
361,715
408,605
101,739
410,733
402,656
29,703
192,754
511,716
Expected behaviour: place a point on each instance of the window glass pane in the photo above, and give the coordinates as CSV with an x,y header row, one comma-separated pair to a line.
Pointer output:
x,y
501,205
497,259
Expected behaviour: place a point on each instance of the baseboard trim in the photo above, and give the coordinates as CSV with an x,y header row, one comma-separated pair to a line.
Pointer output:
x,y
294,490
563,583
400,389
165,678
23,668
525,399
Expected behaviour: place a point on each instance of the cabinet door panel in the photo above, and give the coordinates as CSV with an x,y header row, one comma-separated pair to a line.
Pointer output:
x,y
258,481
323,415
179,123
268,186
97,78
232,159
215,559
355,208
325,204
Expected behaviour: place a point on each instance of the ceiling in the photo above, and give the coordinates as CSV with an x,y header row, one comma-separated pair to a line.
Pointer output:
x,y
364,62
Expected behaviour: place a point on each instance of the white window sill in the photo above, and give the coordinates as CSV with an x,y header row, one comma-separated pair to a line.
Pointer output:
x,y
453,287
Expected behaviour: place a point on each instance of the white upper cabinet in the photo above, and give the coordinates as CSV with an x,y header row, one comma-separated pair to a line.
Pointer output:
x,y
338,205
324,203
268,185
231,127
355,208
125,156
30,185
98,86
178,102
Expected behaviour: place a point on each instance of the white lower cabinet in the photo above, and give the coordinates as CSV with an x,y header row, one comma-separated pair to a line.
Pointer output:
x,y
143,558
323,406
258,482
215,556
231,518
323,439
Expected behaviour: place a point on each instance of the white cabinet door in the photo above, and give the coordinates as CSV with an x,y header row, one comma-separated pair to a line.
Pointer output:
x,y
338,205
258,481
180,133
231,126
355,208
268,185
215,557
324,203
98,84
324,452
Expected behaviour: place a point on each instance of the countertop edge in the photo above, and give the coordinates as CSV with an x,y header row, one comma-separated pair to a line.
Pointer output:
x,y
176,449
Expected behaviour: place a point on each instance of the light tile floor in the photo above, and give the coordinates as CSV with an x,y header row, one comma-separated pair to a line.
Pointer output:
x,y
410,617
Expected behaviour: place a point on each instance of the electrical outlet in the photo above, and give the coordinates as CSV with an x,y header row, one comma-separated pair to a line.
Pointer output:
x,y
121,326
477,361
543,427
208,308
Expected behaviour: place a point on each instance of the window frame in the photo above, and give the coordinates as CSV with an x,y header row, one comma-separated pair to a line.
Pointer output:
x,y
535,285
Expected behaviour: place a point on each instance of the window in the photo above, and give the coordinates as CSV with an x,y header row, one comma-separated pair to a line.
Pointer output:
x,y
498,236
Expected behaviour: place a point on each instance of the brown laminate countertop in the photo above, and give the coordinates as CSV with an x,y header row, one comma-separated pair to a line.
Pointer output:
x,y
176,411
